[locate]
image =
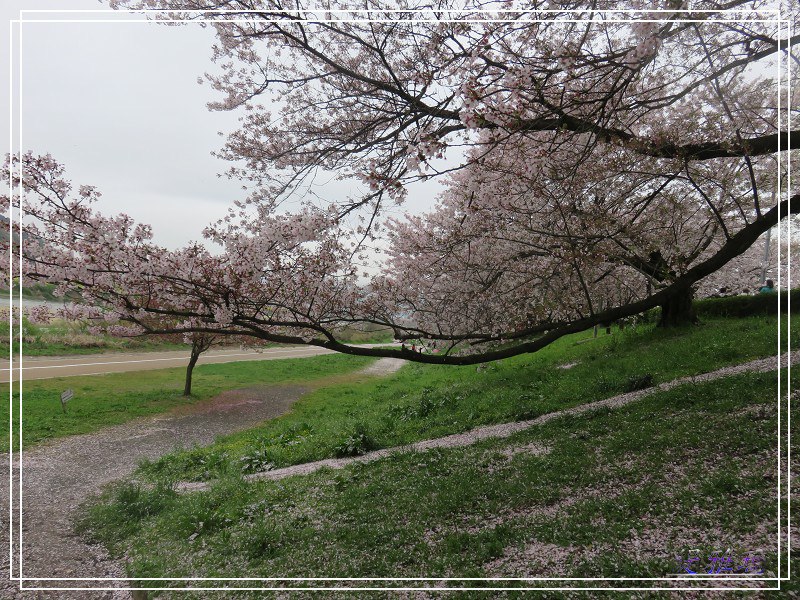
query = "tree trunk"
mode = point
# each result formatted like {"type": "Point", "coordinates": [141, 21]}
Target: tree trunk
{"type": "Point", "coordinates": [187, 388]}
{"type": "Point", "coordinates": [678, 309]}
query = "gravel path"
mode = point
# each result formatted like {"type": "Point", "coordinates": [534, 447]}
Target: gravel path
{"type": "Point", "coordinates": [384, 366]}
{"type": "Point", "coordinates": [58, 477]}
{"type": "Point", "coordinates": [504, 430]}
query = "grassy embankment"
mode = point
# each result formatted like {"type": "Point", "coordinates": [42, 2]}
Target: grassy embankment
{"type": "Point", "coordinates": [102, 400]}
{"type": "Point", "coordinates": [61, 337]}
{"type": "Point", "coordinates": [37, 291]}
{"type": "Point", "coordinates": [614, 493]}
{"type": "Point", "coordinates": [64, 338]}
{"type": "Point", "coordinates": [424, 401]}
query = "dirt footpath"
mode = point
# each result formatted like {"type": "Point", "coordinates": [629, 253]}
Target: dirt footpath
{"type": "Point", "coordinates": [57, 477]}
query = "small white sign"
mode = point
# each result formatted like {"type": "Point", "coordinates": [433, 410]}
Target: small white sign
{"type": "Point", "coordinates": [66, 396]}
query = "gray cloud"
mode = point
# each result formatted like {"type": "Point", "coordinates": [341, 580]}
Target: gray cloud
{"type": "Point", "coordinates": [119, 104]}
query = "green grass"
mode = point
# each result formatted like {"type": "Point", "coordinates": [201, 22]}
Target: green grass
{"type": "Point", "coordinates": [604, 494]}
{"type": "Point", "coordinates": [424, 401]}
{"type": "Point", "coordinates": [36, 291]}
{"type": "Point", "coordinates": [64, 338]}
{"type": "Point", "coordinates": [96, 346]}
{"type": "Point", "coordinates": [102, 400]}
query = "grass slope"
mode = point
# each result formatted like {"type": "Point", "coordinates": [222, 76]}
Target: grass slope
{"type": "Point", "coordinates": [424, 401]}
{"type": "Point", "coordinates": [605, 494]}
{"type": "Point", "coordinates": [611, 493]}
{"type": "Point", "coordinates": [65, 338]}
{"type": "Point", "coordinates": [102, 400]}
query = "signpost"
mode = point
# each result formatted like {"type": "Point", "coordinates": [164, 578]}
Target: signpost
{"type": "Point", "coordinates": [66, 397]}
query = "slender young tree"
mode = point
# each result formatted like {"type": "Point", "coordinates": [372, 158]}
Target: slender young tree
{"type": "Point", "coordinates": [200, 343]}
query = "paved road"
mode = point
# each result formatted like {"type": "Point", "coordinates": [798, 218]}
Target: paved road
{"type": "Point", "coordinates": [47, 367]}
{"type": "Point", "coordinates": [27, 302]}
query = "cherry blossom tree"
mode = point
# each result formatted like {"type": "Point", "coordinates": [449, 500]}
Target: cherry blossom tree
{"type": "Point", "coordinates": [287, 271]}
{"type": "Point", "coordinates": [551, 248]}
{"type": "Point", "coordinates": [595, 164]}
{"type": "Point", "coordinates": [394, 89]}
{"type": "Point", "coordinates": [199, 342]}
{"type": "Point", "coordinates": [378, 95]}
{"type": "Point", "coordinates": [765, 259]}
{"type": "Point", "coordinates": [202, 341]}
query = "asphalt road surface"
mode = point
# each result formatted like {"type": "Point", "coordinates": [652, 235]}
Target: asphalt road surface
{"type": "Point", "coordinates": [47, 367]}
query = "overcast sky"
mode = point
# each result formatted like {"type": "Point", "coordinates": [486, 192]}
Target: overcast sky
{"type": "Point", "coordinates": [119, 105]}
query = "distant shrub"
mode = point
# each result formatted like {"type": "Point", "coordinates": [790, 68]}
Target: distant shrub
{"type": "Point", "coordinates": [747, 306]}
{"type": "Point", "coordinates": [75, 340]}
{"type": "Point", "coordinates": [735, 306]}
